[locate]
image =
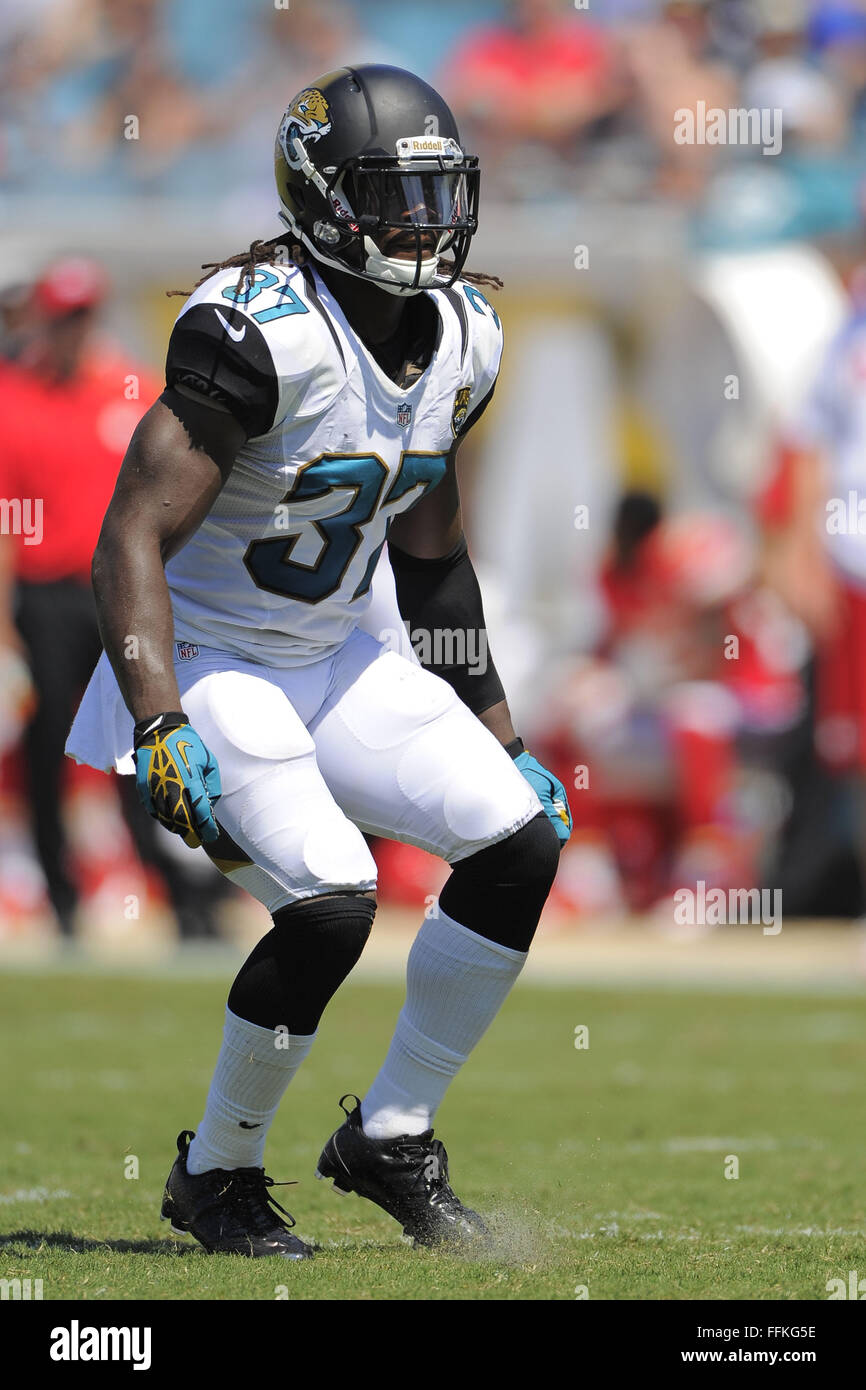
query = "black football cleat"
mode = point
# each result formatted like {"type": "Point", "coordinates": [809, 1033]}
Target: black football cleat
{"type": "Point", "coordinates": [228, 1211]}
{"type": "Point", "coordinates": [407, 1177]}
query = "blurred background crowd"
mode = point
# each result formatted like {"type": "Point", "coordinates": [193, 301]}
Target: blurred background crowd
{"type": "Point", "coordinates": [683, 396]}
{"type": "Point", "coordinates": [545, 89]}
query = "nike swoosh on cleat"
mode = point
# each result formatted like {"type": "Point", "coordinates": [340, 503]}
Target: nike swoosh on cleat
{"type": "Point", "coordinates": [236, 334]}
{"type": "Point", "coordinates": [339, 1156]}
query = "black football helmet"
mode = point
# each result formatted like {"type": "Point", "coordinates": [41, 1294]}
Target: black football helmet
{"type": "Point", "coordinates": [372, 178]}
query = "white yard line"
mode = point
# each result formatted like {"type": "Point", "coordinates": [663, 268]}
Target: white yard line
{"type": "Point", "coordinates": [32, 1194]}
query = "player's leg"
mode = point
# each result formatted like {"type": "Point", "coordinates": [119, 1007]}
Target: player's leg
{"type": "Point", "coordinates": [462, 966]}
{"type": "Point", "coordinates": [57, 622]}
{"type": "Point", "coordinates": [286, 841]}
{"type": "Point", "coordinates": [406, 759]}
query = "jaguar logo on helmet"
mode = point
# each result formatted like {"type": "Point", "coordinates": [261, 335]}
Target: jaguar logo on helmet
{"type": "Point", "coordinates": [306, 119]}
{"type": "Point", "coordinates": [461, 407]}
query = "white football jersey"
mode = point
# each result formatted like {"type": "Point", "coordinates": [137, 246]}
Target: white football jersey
{"type": "Point", "coordinates": [835, 422]}
{"type": "Point", "coordinates": [280, 569]}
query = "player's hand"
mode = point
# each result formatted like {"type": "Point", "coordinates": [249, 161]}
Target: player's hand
{"type": "Point", "coordinates": [550, 792]}
{"type": "Point", "coordinates": [177, 777]}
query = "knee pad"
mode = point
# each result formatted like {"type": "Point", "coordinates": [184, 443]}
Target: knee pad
{"type": "Point", "coordinates": [292, 973]}
{"type": "Point", "coordinates": [500, 891]}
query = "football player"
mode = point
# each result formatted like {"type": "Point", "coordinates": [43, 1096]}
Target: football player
{"type": "Point", "coordinates": [313, 408]}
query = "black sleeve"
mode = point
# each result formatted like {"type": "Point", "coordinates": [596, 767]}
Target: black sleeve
{"type": "Point", "coordinates": [204, 355]}
{"type": "Point", "coordinates": [440, 602]}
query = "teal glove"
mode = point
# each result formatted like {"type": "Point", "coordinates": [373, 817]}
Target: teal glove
{"type": "Point", "coordinates": [550, 792]}
{"type": "Point", "coordinates": [177, 777]}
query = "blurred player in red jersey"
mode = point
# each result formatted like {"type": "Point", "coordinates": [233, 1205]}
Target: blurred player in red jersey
{"type": "Point", "coordinates": [542, 78]}
{"type": "Point", "coordinates": [696, 670]}
{"type": "Point", "coordinates": [68, 406]}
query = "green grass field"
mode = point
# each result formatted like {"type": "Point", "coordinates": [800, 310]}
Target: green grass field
{"type": "Point", "coordinates": [602, 1167]}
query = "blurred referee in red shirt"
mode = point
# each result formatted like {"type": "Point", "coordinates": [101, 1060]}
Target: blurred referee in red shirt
{"type": "Point", "coordinates": [68, 407]}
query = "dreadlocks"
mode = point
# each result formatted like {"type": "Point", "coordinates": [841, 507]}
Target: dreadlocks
{"type": "Point", "coordinates": [287, 249]}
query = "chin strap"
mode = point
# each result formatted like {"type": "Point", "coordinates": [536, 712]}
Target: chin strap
{"type": "Point", "coordinates": [388, 272]}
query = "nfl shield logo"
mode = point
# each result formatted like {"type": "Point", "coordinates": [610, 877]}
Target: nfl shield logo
{"type": "Point", "coordinates": [404, 414]}
{"type": "Point", "coordinates": [186, 651]}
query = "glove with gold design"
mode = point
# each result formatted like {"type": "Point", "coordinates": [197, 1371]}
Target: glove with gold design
{"type": "Point", "coordinates": [177, 777]}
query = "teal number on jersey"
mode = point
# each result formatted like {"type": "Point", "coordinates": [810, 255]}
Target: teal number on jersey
{"type": "Point", "coordinates": [479, 302]}
{"type": "Point", "coordinates": [287, 301]}
{"type": "Point", "coordinates": [270, 562]}
{"type": "Point", "coordinates": [262, 280]}
{"type": "Point", "coordinates": [413, 470]}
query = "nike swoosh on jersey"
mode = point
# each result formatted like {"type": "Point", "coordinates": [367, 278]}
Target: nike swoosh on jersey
{"type": "Point", "coordinates": [235, 333]}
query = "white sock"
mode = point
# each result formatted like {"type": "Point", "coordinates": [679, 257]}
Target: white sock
{"type": "Point", "coordinates": [456, 983]}
{"type": "Point", "coordinates": [253, 1069]}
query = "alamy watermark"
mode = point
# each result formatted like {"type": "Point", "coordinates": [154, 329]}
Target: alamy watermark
{"type": "Point", "coordinates": [441, 646]}
{"type": "Point", "coordinates": [720, 907]}
{"type": "Point", "coordinates": [77, 1343]}
{"type": "Point", "coordinates": [853, 1288]}
{"type": "Point", "coordinates": [713, 125]}
{"type": "Point", "coordinates": [846, 516]}
{"type": "Point", "coordinates": [20, 1289]}
{"type": "Point", "coordinates": [22, 516]}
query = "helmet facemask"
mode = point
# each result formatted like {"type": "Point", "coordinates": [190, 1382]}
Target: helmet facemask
{"type": "Point", "coordinates": [388, 219]}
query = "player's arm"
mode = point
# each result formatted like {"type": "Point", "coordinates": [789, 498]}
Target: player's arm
{"type": "Point", "coordinates": [178, 460]}
{"type": "Point", "coordinates": [437, 589]}
{"type": "Point", "coordinates": [222, 389]}
{"type": "Point", "coordinates": [175, 466]}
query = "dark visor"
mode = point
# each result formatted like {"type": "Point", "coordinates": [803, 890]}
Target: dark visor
{"type": "Point", "coordinates": [439, 199]}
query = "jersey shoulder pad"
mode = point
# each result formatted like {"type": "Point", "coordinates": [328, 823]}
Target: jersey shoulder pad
{"type": "Point", "coordinates": [265, 351]}
{"type": "Point", "coordinates": [480, 351]}
{"type": "Point", "coordinates": [484, 341]}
